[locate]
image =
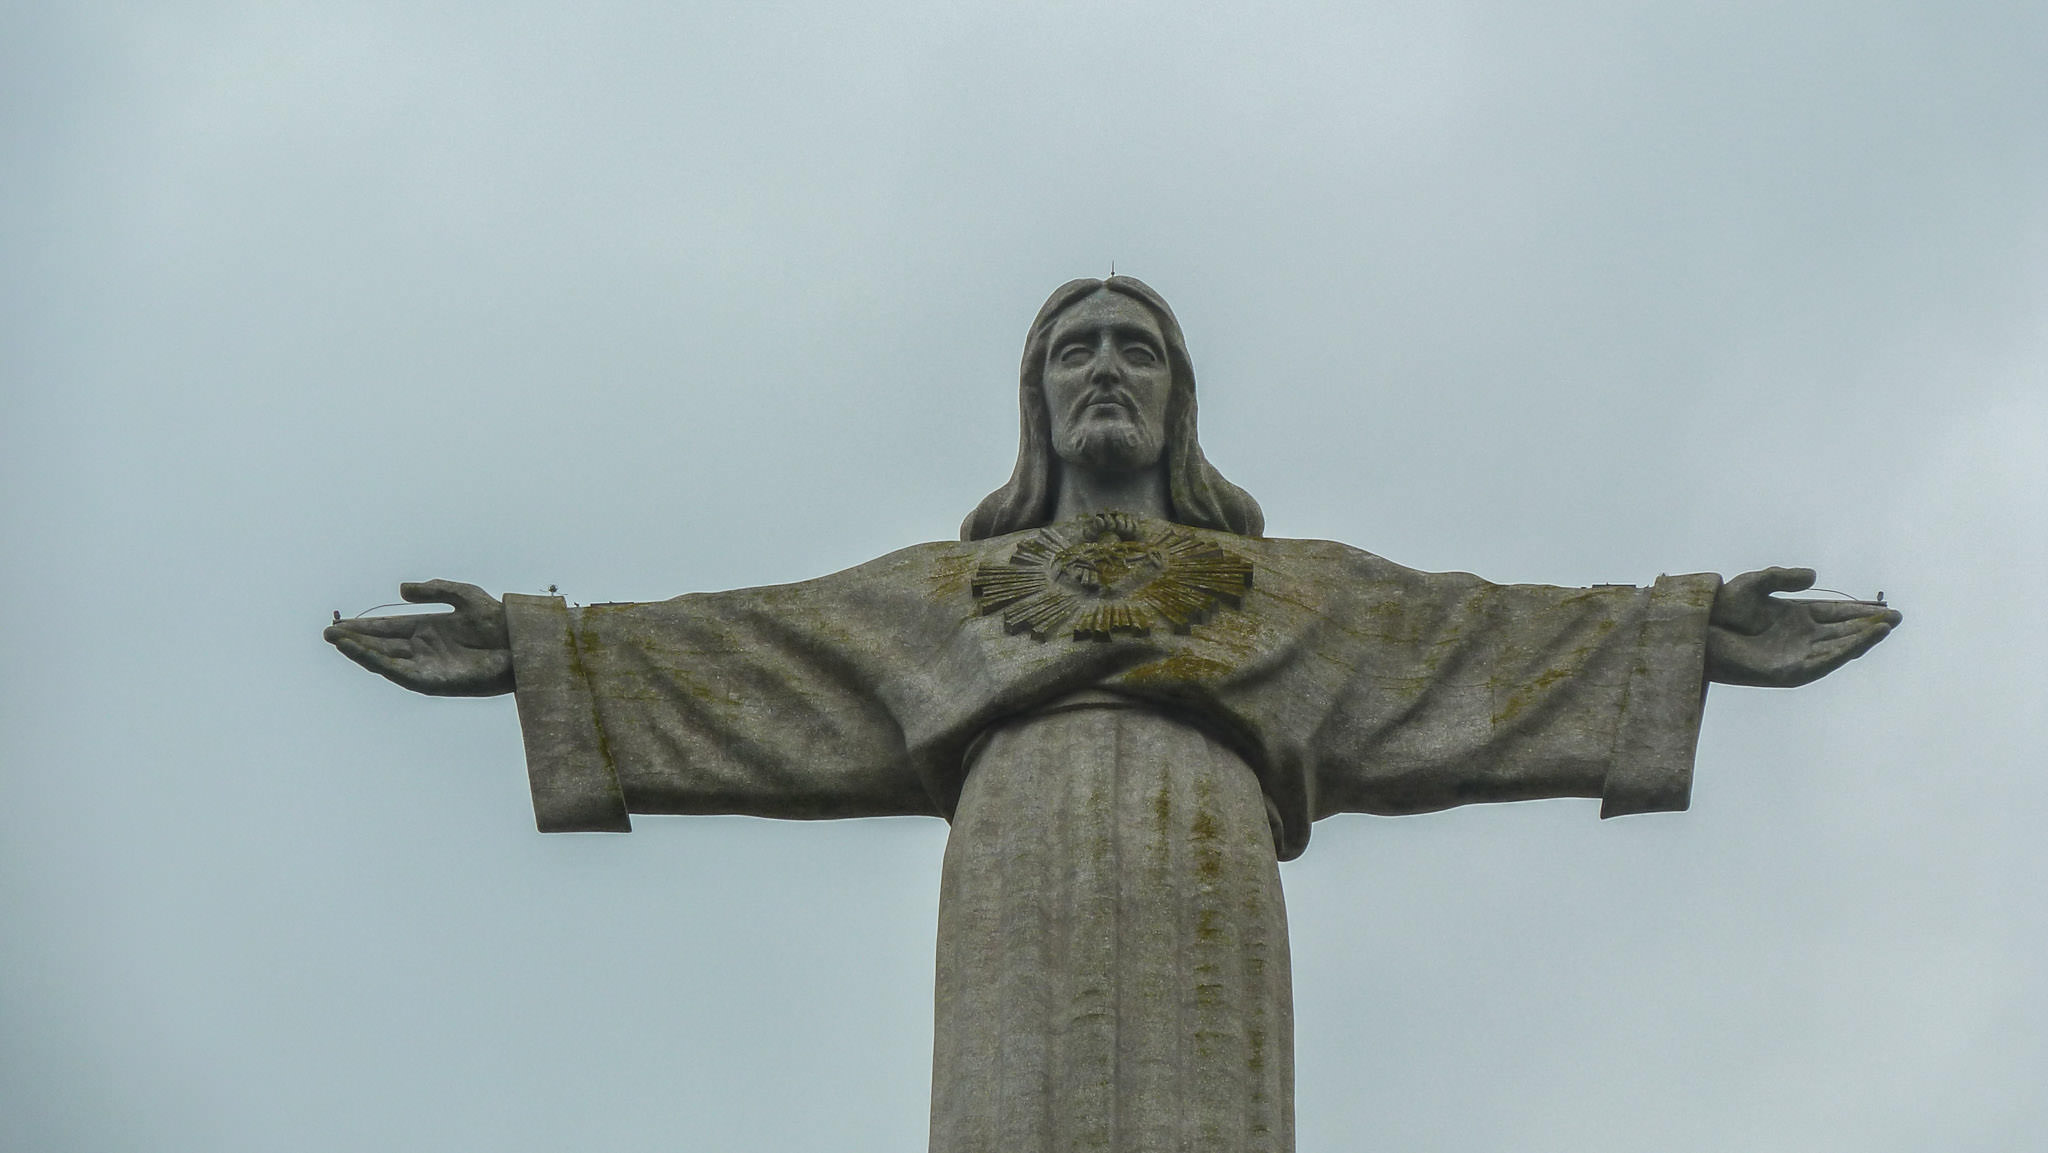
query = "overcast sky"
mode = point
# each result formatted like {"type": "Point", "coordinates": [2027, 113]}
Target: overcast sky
{"type": "Point", "coordinates": [298, 300]}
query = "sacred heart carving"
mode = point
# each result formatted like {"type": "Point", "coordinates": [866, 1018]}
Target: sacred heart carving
{"type": "Point", "coordinates": [1110, 573]}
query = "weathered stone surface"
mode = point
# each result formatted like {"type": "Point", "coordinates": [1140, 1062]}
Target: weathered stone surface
{"type": "Point", "coordinates": [1113, 965]}
{"type": "Point", "coordinates": [1112, 968]}
{"type": "Point", "coordinates": [1131, 706]}
{"type": "Point", "coordinates": [1346, 682]}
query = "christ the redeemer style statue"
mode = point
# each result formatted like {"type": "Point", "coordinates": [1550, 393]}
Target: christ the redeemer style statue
{"type": "Point", "coordinates": [1131, 706]}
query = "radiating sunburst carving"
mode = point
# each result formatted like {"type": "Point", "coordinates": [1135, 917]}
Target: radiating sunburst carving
{"type": "Point", "coordinates": [1111, 573]}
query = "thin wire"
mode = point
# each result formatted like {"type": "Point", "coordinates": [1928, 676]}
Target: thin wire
{"type": "Point", "coordinates": [1849, 596]}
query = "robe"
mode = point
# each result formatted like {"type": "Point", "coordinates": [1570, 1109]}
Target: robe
{"type": "Point", "coordinates": [1112, 956]}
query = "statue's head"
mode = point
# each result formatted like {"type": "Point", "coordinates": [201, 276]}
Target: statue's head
{"type": "Point", "coordinates": [1143, 419]}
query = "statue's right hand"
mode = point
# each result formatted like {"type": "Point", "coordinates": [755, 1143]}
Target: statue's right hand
{"type": "Point", "coordinates": [465, 653]}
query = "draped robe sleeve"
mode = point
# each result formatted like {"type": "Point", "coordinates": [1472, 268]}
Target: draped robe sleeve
{"type": "Point", "coordinates": [1346, 683]}
{"type": "Point", "coordinates": [768, 702]}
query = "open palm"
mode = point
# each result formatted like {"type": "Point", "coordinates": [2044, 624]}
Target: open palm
{"type": "Point", "coordinates": [465, 653]}
{"type": "Point", "coordinates": [1754, 638]}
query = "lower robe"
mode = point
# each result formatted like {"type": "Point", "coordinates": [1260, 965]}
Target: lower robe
{"type": "Point", "coordinates": [1112, 944]}
{"type": "Point", "coordinates": [1112, 962]}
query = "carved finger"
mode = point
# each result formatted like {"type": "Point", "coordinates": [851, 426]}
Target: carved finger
{"type": "Point", "coordinates": [387, 657]}
{"type": "Point", "coordinates": [465, 597]}
{"type": "Point", "coordinates": [1830, 655]}
{"type": "Point", "coordinates": [1837, 630]}
{"type": "Point", "coordinates": [1784, 580]}
{"type": "Point", "coordinates": [1828, 611]}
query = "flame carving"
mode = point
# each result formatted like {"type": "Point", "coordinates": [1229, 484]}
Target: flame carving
{"type": "Point", "coordinates": [1111, 573]}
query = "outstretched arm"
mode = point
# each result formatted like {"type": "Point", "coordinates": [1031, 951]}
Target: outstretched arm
{"type": "Point", "coordinates": [777, 702]}
{"type": "Point", "coordinates": [465, 653]}
{"type": "Point", "coordinates": [1754, 638]}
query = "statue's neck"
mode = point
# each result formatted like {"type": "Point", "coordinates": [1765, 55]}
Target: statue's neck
{"type": "Point", "coordinates": [1085, 490]}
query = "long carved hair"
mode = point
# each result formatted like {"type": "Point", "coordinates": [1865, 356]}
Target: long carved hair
{"type": "Point", "coordinates": [1196, 493]}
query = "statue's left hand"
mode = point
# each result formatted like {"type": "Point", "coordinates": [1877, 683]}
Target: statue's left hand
{"type": "Point", "coordinates": [1754, 638]}
{"type": "Point", "coordinates": [465, 653]}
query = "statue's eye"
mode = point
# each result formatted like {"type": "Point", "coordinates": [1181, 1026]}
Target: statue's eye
{"type": "Point", "coordinates": [1140, 354]}
{"type": "Point", "coordinates": [1076, 354]}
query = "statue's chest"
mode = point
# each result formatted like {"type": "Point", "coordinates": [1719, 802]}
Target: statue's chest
{"type": "Point", "coordinates": [1107, 575]}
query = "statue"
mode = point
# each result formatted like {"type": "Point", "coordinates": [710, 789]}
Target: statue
{"type": "Point", "coordinates": [1131, 707]}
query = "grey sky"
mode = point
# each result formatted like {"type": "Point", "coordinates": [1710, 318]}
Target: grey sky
{"type": "Point", "coordinates": [301, 300]}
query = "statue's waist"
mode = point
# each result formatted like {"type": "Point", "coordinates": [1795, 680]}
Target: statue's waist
{"type": "Point", "coordinates": [1144, 732]}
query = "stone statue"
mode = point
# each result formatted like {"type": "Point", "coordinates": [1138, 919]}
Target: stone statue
{"type": "Point", "coordinates": [1131, 706]}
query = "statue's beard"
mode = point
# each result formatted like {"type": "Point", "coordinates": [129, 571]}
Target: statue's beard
{"type": "Point", "coordinates": [1118, 447]}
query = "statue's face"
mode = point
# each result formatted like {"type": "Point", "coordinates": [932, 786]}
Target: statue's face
{"type": "Point", "coordinates": [1106, 384]}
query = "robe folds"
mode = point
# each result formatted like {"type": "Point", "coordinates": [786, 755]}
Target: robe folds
{"type": "Point", "coordinates": [1113, 969]}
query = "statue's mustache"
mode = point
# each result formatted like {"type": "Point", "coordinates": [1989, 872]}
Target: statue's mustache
{"type": "Point", "coordinates": [1116, 398]}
